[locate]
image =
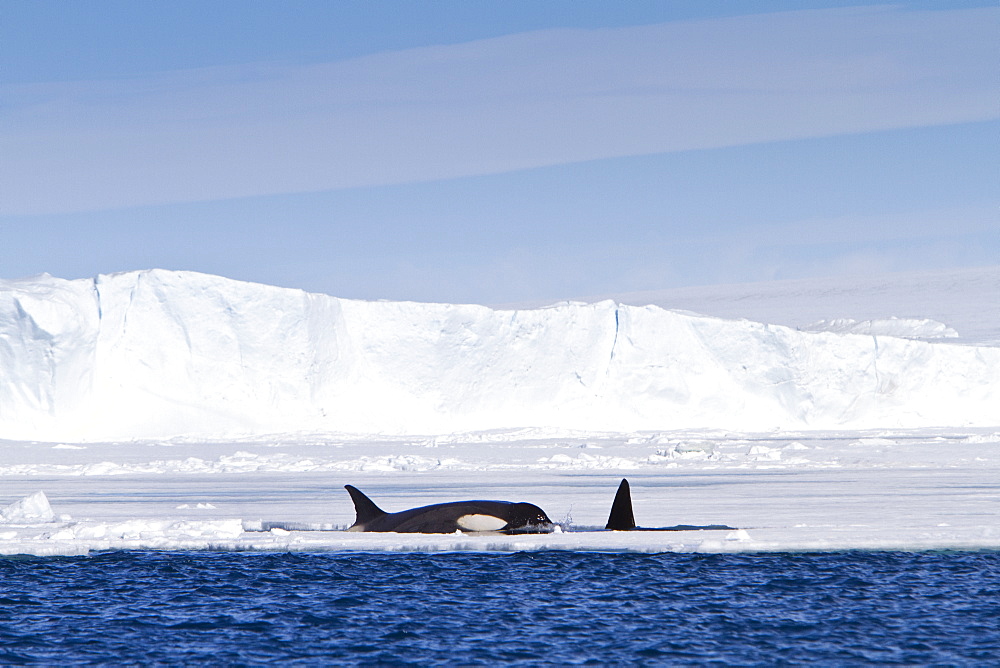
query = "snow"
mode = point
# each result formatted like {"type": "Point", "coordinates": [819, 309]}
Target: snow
{"type": "Point", "coordinates": [171, 410]}
{"type": "Point", "coordinates": [158, 354]}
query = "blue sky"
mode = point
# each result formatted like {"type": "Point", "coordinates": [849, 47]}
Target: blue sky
{"type": "Point", "coordinates": [498, 151]}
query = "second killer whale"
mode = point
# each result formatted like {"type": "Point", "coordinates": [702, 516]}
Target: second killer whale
{"type": "Point", "coordinates": [622, 518]}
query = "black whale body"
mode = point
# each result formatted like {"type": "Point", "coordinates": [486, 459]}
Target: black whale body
{"type": "Point", "coordinates": [465, 516]}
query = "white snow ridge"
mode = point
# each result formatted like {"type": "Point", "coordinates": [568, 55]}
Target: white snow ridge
{"type": "Point", "coordinates": [161, 353]}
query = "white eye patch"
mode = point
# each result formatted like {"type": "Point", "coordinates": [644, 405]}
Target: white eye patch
{"type": "Point", "coordinates": [480, 522]}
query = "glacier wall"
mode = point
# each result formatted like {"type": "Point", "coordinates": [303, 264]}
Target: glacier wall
{"type": "Point", "coordinates": [159, 353]}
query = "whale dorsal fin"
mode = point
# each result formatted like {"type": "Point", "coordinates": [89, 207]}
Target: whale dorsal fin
{"type": "Point", "coordinates": [365, 507]}
{"type": "Point", "coordinates": [621, 518]}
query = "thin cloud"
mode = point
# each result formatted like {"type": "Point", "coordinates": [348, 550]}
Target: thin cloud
{"type": "Point", "coordinates": [521, 101]}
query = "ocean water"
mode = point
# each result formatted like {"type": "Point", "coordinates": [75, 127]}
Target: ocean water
{"type": "Point", "coordinates": [225, 608]}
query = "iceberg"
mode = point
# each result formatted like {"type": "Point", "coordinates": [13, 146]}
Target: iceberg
{"type": "Point", "coordinates": [157, 354]}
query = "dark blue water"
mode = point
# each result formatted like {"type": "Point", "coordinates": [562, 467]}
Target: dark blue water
{"type": "Point", "coordinates": [529, 608]}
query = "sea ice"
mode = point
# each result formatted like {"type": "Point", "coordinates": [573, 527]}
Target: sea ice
{"type": "Point", "coordinates": [32, 509]}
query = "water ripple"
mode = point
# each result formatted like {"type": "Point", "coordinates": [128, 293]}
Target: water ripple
{"type": "Point", "coordinates": [479, 609]}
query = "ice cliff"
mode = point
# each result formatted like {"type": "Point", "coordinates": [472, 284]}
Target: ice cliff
{"type": "Point", "coordinates": [161, 353]}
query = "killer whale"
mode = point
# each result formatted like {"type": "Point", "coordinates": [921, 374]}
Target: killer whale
{"type": "Point", "coordinates": [622, 519]}
{"type": "Point", "coordinates": [464, 516]}
{"type": "Point", "coordinates": [491, 517]}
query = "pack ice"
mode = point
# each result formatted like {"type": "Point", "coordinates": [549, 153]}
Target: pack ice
{"type": "Point", "coordinates": [154, 354]}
